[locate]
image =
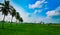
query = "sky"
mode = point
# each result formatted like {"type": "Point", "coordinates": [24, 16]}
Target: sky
{"type": "Point", "coordinates": [35, 11]}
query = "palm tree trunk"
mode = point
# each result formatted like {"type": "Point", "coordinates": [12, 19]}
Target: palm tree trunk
{"type": "Point", "coordinates": [11, 19]}
{"type": "Point", "coordinates": [3, 22]}
{"type": "Point", "coordinates": [4, 18]}
{"type": "Point", "coordinates": [11, 22]}
{"type": "Point", "coordinates": [16, 21]}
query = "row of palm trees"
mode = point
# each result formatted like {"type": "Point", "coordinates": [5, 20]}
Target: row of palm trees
{"type": "Point", "coordinates": [6, 9]}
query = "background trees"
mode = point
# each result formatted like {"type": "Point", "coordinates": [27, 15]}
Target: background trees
{"type": "Point", "coordinates": [20, 19]}
{"type": "Point", "coordinates": [17, 16]}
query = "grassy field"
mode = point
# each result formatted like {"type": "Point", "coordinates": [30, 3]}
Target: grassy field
{"type": "Point", "coordinates": [29, 29]}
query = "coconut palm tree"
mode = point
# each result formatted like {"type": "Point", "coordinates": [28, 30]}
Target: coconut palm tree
{"type": "Point", "coordinates": [5, 12]}
{"type": "Point", "coordinates": [5, 9]}
{"type": "Point", "coordinates": [17, 16]}
{"type": "Point", "coordinates": [13, 13]}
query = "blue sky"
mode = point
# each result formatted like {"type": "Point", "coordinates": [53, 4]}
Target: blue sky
{"type": "Point", "coordinates": [38, 10]}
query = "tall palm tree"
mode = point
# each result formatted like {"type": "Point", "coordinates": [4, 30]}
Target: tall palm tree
{"type": "Point", "coordinates": [13, 13]}
{"type": "Point", "coordinates": [5, 12]}
{"type": "Point", "coordinates": [5, 9]}
{"type": "Point", "coordinates": [17, 16]}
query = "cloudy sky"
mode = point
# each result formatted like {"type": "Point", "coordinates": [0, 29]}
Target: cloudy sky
{"type": "Point", "coordinates": [47, 11]}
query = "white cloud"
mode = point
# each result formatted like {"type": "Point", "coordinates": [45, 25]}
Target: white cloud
{"type": "Point", "coordinates": [43, 1]}
{"type": "Point", "coordinates": [58, 9]}
{"type": "Point", "coordinates": [37, 4]}
{"type": "Point", "coordinates": [46, 2]}
{"type": "Point", "coordinates": [37, 11]}
{"type": "Point", "coordinates": [53, 12]}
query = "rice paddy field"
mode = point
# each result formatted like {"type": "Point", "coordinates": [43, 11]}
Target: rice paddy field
{"type": "Point", "coordinates": [29, 29]}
